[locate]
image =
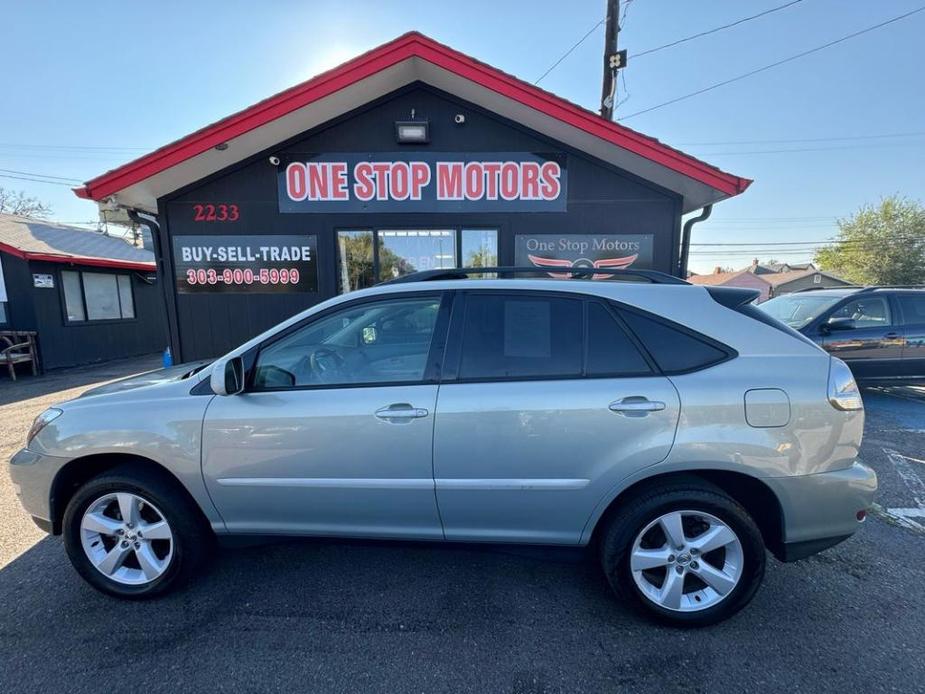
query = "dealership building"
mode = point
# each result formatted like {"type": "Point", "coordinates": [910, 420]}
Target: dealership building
{"type": "Point", "coordinates": [412, 156]}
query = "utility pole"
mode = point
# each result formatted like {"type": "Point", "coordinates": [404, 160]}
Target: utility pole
{"type": "Point", "coordinates": [614, 59]}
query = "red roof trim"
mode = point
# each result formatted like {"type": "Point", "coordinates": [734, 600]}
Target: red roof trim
{"type": "Point", "coordinates": [77, 259]}
{"type": "Point", "coordinates": [407, 46]}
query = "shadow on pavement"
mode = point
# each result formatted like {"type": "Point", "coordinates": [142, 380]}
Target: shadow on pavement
{"type": "Point", "coordinates": [334, 616]}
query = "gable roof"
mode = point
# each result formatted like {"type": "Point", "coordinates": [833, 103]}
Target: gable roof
{"type": "Point", "coordinates": [409, 58]}
{"type": "Point", "coordinates": [775, 279]}
{"type": "Point", "coordinates": [36, 239]}
{"type": "Point", "coordinates": [714, 278]}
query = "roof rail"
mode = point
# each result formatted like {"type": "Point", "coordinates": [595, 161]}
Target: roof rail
{"type": "Point", "coordinates": [872, 287]}
{"type": "Point", "coordinates": [820, 289]}
{"type": "Point", "coordinates": [650, 276]}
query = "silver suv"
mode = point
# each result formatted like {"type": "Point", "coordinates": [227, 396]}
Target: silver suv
{"type": "Point", "coordinates": [674, 428]}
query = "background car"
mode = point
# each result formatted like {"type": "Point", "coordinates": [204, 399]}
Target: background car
{"type": "Point", "coordinates": [878, 331]}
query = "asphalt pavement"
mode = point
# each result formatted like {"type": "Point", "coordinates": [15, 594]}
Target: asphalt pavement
{"type": "Point", "coordinates": [359, 616]}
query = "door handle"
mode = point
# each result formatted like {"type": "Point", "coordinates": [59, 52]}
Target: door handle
{"type": "Point", "coordinates": [400, 411]}
{"type": "Point", "coordinates": [636, 406]}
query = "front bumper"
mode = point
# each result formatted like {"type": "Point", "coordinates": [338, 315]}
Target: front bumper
{"type": "Point", "coordinates": [821, 510]}
{"type": "Point", "coordinates": [33, 475]}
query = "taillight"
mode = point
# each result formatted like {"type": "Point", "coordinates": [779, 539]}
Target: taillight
{"type": "Point", "coordinates": [843, 391]}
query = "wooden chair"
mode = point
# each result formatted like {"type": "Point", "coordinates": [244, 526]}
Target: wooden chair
{"type": "Point", "coordinates": [19, 347]}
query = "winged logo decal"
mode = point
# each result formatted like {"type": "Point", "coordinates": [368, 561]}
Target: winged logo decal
{"type": "Point", "coordinates": [603, 263]}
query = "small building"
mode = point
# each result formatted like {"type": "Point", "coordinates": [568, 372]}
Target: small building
{"type": "Point", "coordinates": [412, 156]}
{"type": "Point", "coordinates": [88, 296]}
{"type": "Point", "coordinates": [772, 279]}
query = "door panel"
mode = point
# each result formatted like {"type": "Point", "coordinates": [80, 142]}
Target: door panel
{"type": "Point", "coordinates": [913, 309]}
{"type": "Point", "coordinates": [527, 461]}
{"type": "Point", "coordinates": [321, 462]}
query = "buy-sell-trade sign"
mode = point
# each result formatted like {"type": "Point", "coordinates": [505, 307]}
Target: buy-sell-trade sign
{"type": "Point", "coordinates": [245, 264]}
{"type": "Point", "coordinates": [423, 182]}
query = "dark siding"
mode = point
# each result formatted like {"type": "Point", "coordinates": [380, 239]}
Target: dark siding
{"type": "Point", "coordinates": [19, 307]}
{"type": "Point", "coordinates": [62, 344]}
{"type": "Point", "coordinates": [601, 200]}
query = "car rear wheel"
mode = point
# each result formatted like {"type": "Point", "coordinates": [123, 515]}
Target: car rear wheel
{"type": "Point", "coordinates": [685, 553]}
{"type": "Point", "coordinates": [132, 533]}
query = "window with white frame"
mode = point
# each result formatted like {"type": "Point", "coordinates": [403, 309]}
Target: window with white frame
{"type": "Point", "coordinates": [96, 296]}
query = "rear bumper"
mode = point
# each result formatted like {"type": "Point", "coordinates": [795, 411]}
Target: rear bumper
{"type": "Point", "coordinates": [821, 510]}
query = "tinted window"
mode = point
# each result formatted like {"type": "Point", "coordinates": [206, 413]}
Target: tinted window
{"type": "Point", "coordinates": [379, 342]}
{"type": "Point", "coordinates": [517, 337]}
{"type": "Point", "coordinates": [870, 312]}
{"type": "Point", "coordinates": [913, 306]}
{"type": "Point", "coordinates": [673, 350]}
{"type": "Point", "coordinates": [610, 350]}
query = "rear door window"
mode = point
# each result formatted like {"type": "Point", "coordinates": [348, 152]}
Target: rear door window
{"type": "Point", "coordinates": [611, 352]}
{"type": "Point", "coordinates": [675, 349]}
{"type": "Point", "coordinates": [913, 308]}
{"type": "Point", "coordinates": [530, 336]}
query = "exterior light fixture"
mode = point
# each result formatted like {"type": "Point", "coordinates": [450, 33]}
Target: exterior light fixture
{"type": "Point", "coordinates": [412, 132]}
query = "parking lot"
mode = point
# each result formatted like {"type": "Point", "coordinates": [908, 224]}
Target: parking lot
{"type": "Point", "coordinates": [362, 616]}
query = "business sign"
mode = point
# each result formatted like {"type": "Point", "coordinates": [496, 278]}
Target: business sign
{"type": "Point", "coordinates": [245, 264]}
{"type": "Point", "coordinates": [423, 182]}
{"type": "Point", "coordinates": [559, 252]}
{"type": "Point", "coordinates": [43, 281]}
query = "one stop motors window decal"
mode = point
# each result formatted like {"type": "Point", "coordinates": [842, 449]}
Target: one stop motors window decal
{"type": "Point", "coordinates": [245, 264]}
{"type": "Point", "coordinates": [423, 182]}
{"type": "Point", "coordinates": [556, 253]}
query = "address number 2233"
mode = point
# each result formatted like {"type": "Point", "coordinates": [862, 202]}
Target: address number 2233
{"type": "Point", "coordinates": [216, 213]}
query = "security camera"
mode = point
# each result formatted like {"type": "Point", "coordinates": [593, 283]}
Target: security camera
{"type": "Point", "coordinates": [460, 119]}
{"type": "Point", "coordinates": [274, 161]}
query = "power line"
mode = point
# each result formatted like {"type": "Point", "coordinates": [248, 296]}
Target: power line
{"type": "Point", "coordinates": [569, 51]}
{"type": "Point", "coordinates": [80, 147]}
{"type": "Point", "coordinates": [714, 30]}
{"type": "Point", "coordinates": [802, 140]}
{"type": "Point", "coordinates": [775, 64]}
{"type": "Point", "coordinates": [32, 173]}
{"type": "Point", "coordinates": [815, 149]}
{"type": "Point", "coordinates": [37, 180]}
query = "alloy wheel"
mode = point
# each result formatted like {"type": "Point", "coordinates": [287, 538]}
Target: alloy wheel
{"type": "Point", "coordinates": [686, 561]}
{"type": "Point", "coordinates": [127, 538]}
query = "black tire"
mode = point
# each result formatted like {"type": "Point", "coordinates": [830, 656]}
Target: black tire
{"type": "Point", "coordinates": [638, 512]}
{"type": "Point", "coordinates": [193, 539]}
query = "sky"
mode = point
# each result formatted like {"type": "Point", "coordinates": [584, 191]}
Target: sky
{"type": "Point", "coordinates": [89, 86]}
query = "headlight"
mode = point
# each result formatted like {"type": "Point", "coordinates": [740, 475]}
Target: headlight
{"type": "Point", "coordinates": [843, 391]}
{"type": "Point", "coordinates": [48, 416]}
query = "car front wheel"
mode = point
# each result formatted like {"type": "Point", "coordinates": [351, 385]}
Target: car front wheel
{"type": "Point", "coordinates": [686, 554]}
{"type": "Point", "coordinates": [132, 533]}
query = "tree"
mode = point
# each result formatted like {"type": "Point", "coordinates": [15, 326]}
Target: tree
{"type": "Point", "coordinates": [883, 244]}
{"type": "Point", "coordinates": [17, 202]}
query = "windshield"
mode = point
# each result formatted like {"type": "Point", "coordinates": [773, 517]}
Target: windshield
{"type": "Point", "coordinates": [798, 310]}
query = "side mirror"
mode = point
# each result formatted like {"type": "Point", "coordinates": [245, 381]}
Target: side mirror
{"type": "Point", "coordinates": [228, 376]}
{"type": "Point", "coordinates": [839, 324]}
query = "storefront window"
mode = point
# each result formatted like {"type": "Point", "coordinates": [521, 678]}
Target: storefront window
{"type": "Point", "coordinates": [403, 251]}
{"type": "Point", "coordinates": [354, 260]}
{"type": "Point", "coordinates": [97, 296]}
{"type": "Point", "coordinates": [2, 312]}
